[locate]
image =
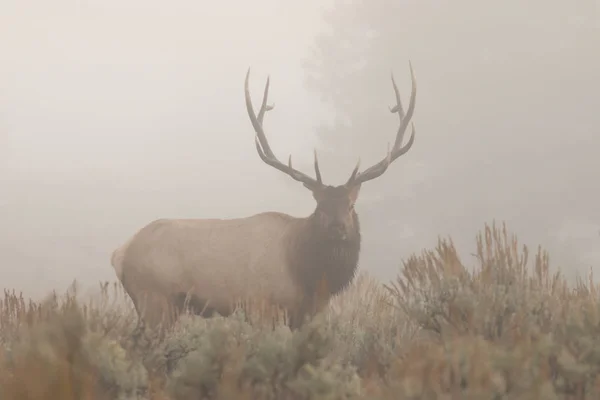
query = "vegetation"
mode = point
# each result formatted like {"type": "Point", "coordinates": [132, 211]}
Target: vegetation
{"type": "Point", "coordinates": [507, 328]}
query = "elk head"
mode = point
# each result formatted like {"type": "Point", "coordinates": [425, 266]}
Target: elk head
{"type": "Point", "coordinates": [334, 213]}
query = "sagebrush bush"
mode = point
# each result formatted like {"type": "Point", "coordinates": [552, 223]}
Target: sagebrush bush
{"type": "Point", "coordinates": [506, 327]}
{"type": "Point", "coordinates": [61, 356]}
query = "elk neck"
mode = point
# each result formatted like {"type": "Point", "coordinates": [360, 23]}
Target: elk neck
{"type": "Point", "coordinates": [313, 257]}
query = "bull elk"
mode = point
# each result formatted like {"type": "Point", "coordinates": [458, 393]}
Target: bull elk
{"type": "Point", "coordinates": [297, 264]}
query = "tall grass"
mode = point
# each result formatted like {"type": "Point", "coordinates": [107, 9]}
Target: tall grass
{"type": "Point", "coordinates": [506, 327]}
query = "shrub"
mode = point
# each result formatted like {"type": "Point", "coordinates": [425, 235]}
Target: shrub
{"type": "Point", "coordinates": [506, 327]}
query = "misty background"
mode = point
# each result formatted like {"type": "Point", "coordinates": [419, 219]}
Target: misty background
{"type": "Point", "coordinates": [116, 113]}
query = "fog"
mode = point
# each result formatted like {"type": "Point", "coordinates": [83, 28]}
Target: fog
{"type": "Point", "coordinates": [115, 113]}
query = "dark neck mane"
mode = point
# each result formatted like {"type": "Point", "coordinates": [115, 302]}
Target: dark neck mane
{"type": "Point", "coordinates": [313, 258]}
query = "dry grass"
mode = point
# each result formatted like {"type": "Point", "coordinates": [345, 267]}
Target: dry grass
{"type": "Point", "coordinates": [507, 327]}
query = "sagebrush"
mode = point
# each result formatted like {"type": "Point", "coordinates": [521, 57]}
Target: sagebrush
{"type": "Point", "coordinates": [505, 327]}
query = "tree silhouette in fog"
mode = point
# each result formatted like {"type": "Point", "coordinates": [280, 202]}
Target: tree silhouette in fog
{"type": "Point", "coordinates": [505, 118]}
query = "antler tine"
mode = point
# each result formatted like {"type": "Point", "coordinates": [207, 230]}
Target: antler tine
{"type": "Point", "coordinates": [264, 107]}
{"type": "Point", "coordinates": [354, 173]}
{"type": "Point", "coordinates": [317, 170]}
{"type": "Point", "coordinates": [404, 118]}
{"type": "Point", "coordinates": [398, 107]}
{"type": "Point", "coordinates": [257, 122]}
{"type": "Point", "coordinates": [397, 150]}
{"type": "Point", "coordinates": [262, 144]}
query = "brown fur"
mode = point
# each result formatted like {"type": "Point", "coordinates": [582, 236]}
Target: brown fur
{"type": "Point", "coordinates": [316, 262]}
{"type": "Point", "coordinates": [321, 267]}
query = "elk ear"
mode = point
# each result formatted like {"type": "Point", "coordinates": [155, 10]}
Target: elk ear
{"type": "Point", "coordinates": [353, 193]}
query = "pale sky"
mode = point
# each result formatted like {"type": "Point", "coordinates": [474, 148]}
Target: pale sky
{"type": "Point", "coordinates": [114, 113]}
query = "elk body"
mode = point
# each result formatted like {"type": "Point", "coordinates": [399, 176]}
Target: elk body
{"type": "Point", "coordinates": [294, 263]}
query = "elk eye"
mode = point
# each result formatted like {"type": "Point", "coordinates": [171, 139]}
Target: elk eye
{"type": "Point", "coordinates": [351, 207]}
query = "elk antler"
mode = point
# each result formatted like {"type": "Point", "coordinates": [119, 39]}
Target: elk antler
{"type": "Point", "coordinates": [264, 149]}
{"type": "Point", "coordinates": [397, 150]}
